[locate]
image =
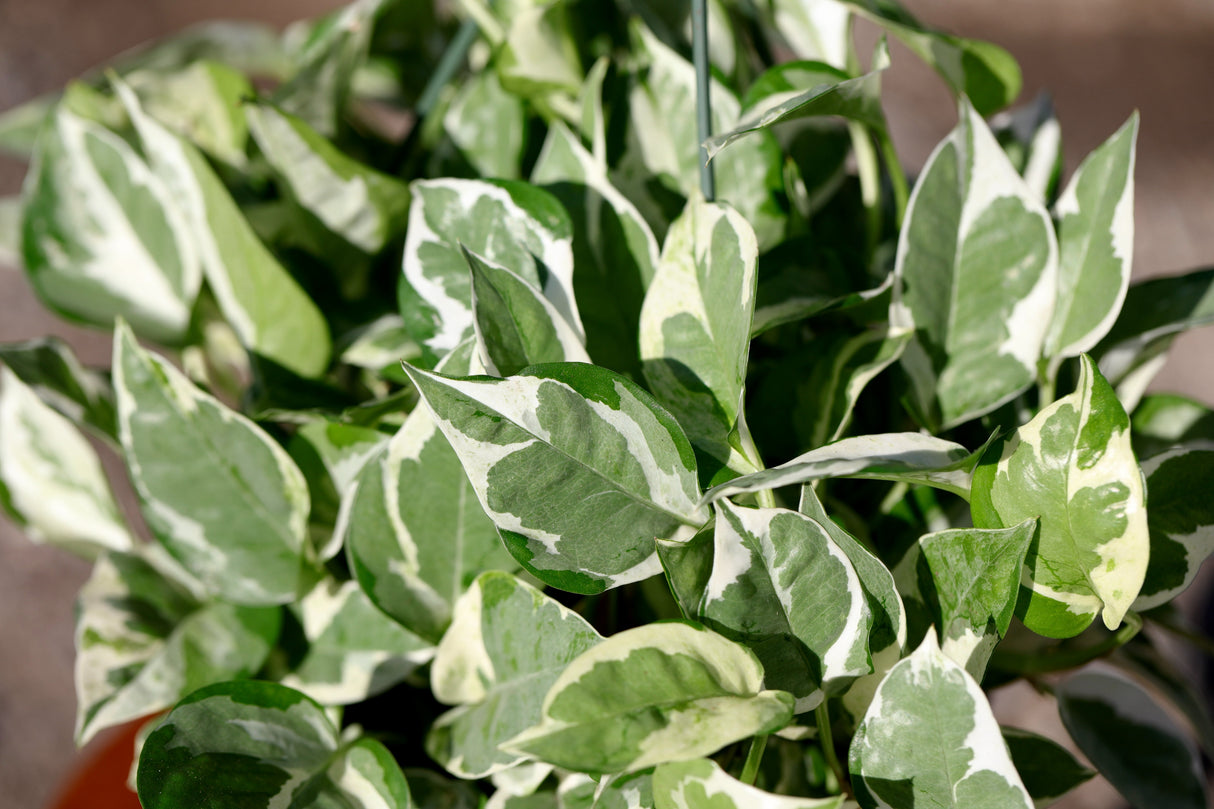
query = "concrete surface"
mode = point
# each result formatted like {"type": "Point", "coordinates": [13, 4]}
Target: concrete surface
{"type": "Point", "coordinates": [1100, 58]}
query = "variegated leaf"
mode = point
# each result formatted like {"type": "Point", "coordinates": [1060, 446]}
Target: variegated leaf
{"type": "Point", "coordinates": [325, 66]}
{"type": "Point", "coordinates": [1132, 740]}
{"type": "Point", "coordinates": [695, 329]}
{"type": "Point", "coordinates": [910, 457]}
{"type": "Point", "coordinates": [269, 311]}
{"type": "Point", "coordinates": [627, 791]}
{"type": "Point", "coordinates": [538, 57]}
{"type": "Point", "coordinates": [929, 738]}
{"type": "Point", "coordinates": [980, 71]}
{"type": "Point", "coordinates": [615, 253]}
{"type": "Point", "coordinates": [361, 205]}
{"type": "Point", "coordinates": [1154, 313]}
{"type": "Point", "coordinates": [263, 745]}
{"type": "Point", "coordinates": [503, 799]}
{"type": "Point", "coordinates": [778, 583]}
{"type": "Point", "coordinates": [54, 374]}
{"type": "Point", "coordinates": [416, 535]}
{"type": "Point", "coordinates": [832, 92]}
{"type": "Point", "coordinates": [143, 642]}
{"type": "Point", "coordinates": [664, 145]}
{"type": "Point", "coordinates": [354, 650]}
{"type": "Point", "coordinates": [203, 102]}
{"type": "Point", "coordinates": [12, 211]}
{"type": "Point", "coordinates": [887, 636]}
{"type": "Point", "coordinates": [976, 277]}
{"type": "Point", "coordinates": [579, 468]}
{"type": "Point", "coordinates": [512, 224]}
{"type": "Point", "coordinates": [848, 362]}
{"type": "Point", "coordinates": [507, 645]}
{"type": "Point", "coordinates": [51, 480]}
{"type": "Point", "coordinates": [656, 693]}
{"type": "Point", "coordinates": [1096, 246]}
{"type": "Point", "coordinates": [815, 29]}
{"type": "Point", "coordinates": [702, 783]}
{"type": "Point", "coordinates": [102, 235]}
{"type": "Point", "coordinates": [789, 291]}
{"type": "Point", "coordinates": [1180, 521]}
{"type": "Point", "coordinates": [1048, 769]}
{"type": "Point", "coordinates": [488, 125]}
{"type": "Point", "coordinates": [1160, 422]}
{"type": "Point", "coordinates": [976, 578]}
{"type": "Point", "coordinates": [219, 493]}
{"type": "Point", "coordinates": [515, 324]}
{"type": "Point", "coordinates": [1072, 467]}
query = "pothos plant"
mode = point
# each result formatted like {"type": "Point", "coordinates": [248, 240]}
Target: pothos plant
{"type": "Point", "coordinates": [702, 484]}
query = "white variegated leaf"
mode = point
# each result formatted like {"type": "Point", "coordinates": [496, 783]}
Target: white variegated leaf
{"type": "Point", "coordinates": [506, 646]}
{"type": "Point", "coordinates": [695, 326]}
{"type": "Point", "coordinates": [611, 710]}
{"type": "Point", "coordinates": [929, 738]}
{"type": "Point", "coordinates": [51, 479]}
{"type": "Point", "coordinates": [220, 494]}
{"type": "Point", "coordinates": [702, 783]}
{"type": "Point", "coordinates": [975, 277]}
{"type": "Point", "coordinates": [815, 29]}
{"type": "Point", "coordinates": [1180, 520]}
{"type": "Point", "coordinates": [266, 307]}
{"type": "Point", "coordinates": [512, 224]}
{"type": "Point", "coordinates": [911, 457]}
{"type": "Point", "coordinates": [578, 467]}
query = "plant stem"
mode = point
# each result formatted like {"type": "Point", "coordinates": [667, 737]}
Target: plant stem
{"type": "Point", "coordinates": [1047, 661]}
{"type": "Point", "coordinates": [827, 740]}
{"type": "Point", "coordinates": [447, 66]}
{"type": "Point", "coordinates": [699, 52]}
{"type": "Point", "coordinates": [897, 177]}
{"type": "Point", "coordinates": [750, 770]}
{"type": "Point", "coordinates": [870, 182]}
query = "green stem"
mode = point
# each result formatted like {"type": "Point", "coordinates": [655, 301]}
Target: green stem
{"type": "Point", "coordinates": [1062, 659]}
{"type": "Point", "coordinates": [750, 770]}
{"type": "Point", "coordinates": [699, 52]}
{"type": "Point", "coordinates": [897, 177]}
{"type": "Point", "coordinates": [870, 181]}
{"type": "Point", "coordinates": [451, 61]}
{"type": "Point", "coordinates": [827, 740]}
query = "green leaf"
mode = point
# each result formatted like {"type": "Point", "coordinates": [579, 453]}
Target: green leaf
{"type": "Point", "coordinates": [780, 585]}
{"type": "Point", "coordinates": [254, 744]}
{"type": "Point", "coordinates": [507, 645]}
{"type": "Point", "coordinates": [515, 325]}
{"type": "Point", "coordinates": [1049, 770]}
{"type": "Point", "coordinates": [1095, 245]}
{"type": "Point", "coordinates": [615, 253]}
{"type": "Point", "coordinates": [1154, 313]}
{"type": "Point", "coordinates": [695, 328]}
{"type": "Point", "coordinates": [703, 783]}
{"type": "Point", "coordinates": [1131, 739]}
{"type": "Point", "coordinates": [981, 71]}
{"type": "Point", "coordinates": [202, 103]}
{"type": "Point", "coordinates": [12, 211]}
{"type": "Point", "coordinates": [51, 480]}
{"type": "Point", "coordinates": [929, 738]}
{"type": "Point", "coordinates": [512, 224]}
{"type": "Point", "coordinates": [1162, 421]}
{"type": "Point", "coordinates": [656, 693]}
{"type": "Point", "coordinates": [21, 125]}
{"type": "Point", "coordinates": [265, 306]}
{"type": "Point", "coordinates": [578, 467]}
{"type": "Point", "coordinates": [144, 641]}
{"type": "Point", "coordinates": [324, 66]}
{"type": "Point", "coordinates": [354, 650]}
{"type": "Point", "coordinates": [848, 362]}
{"type": "Point", "coordinates": [221, 495]}
{"type": "Point", "coordinates": [910, 457]}
{"type": "Point", "coordinates": [50, 369]}
{"type": "Point", "coordinates": [361, 205]}
{"type": "Point", "coordinates": [814, 29]}
{"type": "Point", "coordinates": [790, 291]}
{"type": "Point", "coordinates": [1072, 468]}
{"type": "Point", "coordinates": [976, 278]}
{"type": "Point", "coordinates": [887, 637]}
{"type": "Point", "coordinates": [663, 145]}
{"type": "Point", "coordinates": [415, 534]}
{"type": "Point", "coordinates": [103, 236]}
{"type": "Point", "coordinates": [538, 56]}
{"type": "Point", "coordinates": [798, 90]}
{"type": "Point", "coordinates": [976, 577]}
{"type": "Point", "coordinates": [1180, 521]}
{"type": "Point", "coordinates": [488, 125]}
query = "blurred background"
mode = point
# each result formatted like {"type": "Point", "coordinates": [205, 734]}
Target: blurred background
{"type": "Point", "coordinates": [1100, 60]}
